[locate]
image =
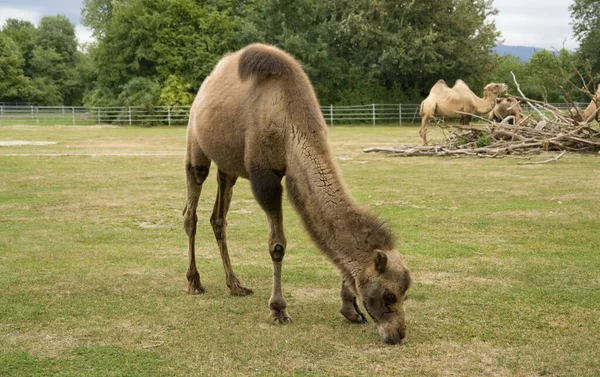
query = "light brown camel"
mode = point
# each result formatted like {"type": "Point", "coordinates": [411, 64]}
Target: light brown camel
{"type": "Point", "coordinates": [257, 117]}
{"type": "Point", "coordinates": [506, 108]}
{"type": "Point", "coordinates": [591, 112]}
{"type": "Point", "coordinates": [457, 102]}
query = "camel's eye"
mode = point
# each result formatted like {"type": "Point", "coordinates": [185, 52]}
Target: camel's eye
{"type": "Point", "coordinates": [389, 298]}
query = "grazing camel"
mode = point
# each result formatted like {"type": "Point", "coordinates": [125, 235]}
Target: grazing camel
{"type": "Point", "coordinates": [256, 116]}
{"type": "Point", "coordinates": [506, 110]}
{"type": "Point", "coordinates": [457, 102]}
{"type": "Point", "coordinates": [592, 111]}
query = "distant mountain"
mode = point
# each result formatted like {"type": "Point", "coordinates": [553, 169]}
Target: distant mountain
{"type": "Point", "coordinates": [522, 52]}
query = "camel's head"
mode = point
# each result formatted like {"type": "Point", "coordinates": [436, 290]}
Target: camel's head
{"type": "Point", "coordinates": [505, 102]}
{"type": "Point", "coordinates": [508, 105]}
{"type": "Point", "coordinates": [495, 89]}
{"type": "Point", "coordinates": [382, 291]}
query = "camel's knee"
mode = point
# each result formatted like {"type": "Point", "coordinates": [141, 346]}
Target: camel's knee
{"type": "Point", "coordinates": [277, 253]}
{"type": "Point", "coordinates": [197, 172]}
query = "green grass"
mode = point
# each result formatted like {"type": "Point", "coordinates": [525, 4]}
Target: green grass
{"type": "Point", "coordinates": [93, 257]}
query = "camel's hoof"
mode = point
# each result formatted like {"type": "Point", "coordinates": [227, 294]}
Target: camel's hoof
{"type": "Point", "coordinates": [196, 289]}
{"type": "Point", "coordinates": [280, 317]}
{"type": "Point", "coordinates": [356, 317]}
{"type": "Point", "coordinates": [360, 318]}
{"type": "Point", "coordinates": [241, 291]}
{"type": "Point", "coordinates": [282, 321]}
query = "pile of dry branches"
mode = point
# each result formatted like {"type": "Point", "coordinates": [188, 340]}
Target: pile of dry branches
{"type": "Point", "coordinates": [546, 128]}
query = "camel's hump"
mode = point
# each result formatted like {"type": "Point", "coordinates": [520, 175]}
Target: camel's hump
{"type": "Point", "coordinates": [264, 61]}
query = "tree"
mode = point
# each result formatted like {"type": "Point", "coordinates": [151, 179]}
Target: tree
{"type": "Point", "coordinates": [550, 76]}
{"type": "Point", "coordinates": [140, 91]}
{"type": "Point", "coordinates": [24, 34]}
{"type": "Point", "coordinates": [504, 66]}
{"type": "Point", "coordinates": [586, 28]}
{"type": "Point", "coordinates": [97, 15]}
{"type": "Point", "coordinates": [585, 15]}
{"type": "Point", "coordinates": [156, 39]}
{"type": "Point", "coordinates": [58, 33]}
{"type": "Point", "coordinates": [383, 50]}
{"type": "Point", "coordinates": [14, 85]}
{"type": "Point", "coordinates": [175, 92]}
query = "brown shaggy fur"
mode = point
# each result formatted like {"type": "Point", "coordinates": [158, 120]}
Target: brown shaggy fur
{"type": "Point", "coordinates": [256, 116]}
{"type": "Point", "coordinates": [504, 108]}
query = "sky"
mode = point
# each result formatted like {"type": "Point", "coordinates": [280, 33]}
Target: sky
{"type": "Point", "coordinates": [533, 23]}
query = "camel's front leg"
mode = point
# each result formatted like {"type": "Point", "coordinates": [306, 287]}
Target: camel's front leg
{"type": "Point", "coordinates": [266, 186]}
{"type": "Point", "coordinates": [349, 308]}
{"type": "Point", "coordinates": [218, 220]}
{"type": "Point", "coordinates": [196, 167]}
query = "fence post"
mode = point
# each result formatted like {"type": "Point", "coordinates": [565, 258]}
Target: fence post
{"type": "Point", "coordinates": [373, 114]}
{"type": "Point", "coordinates": [130, 115]}
{"type": "Point", "coordinates": [400, 113]}
{"type": "Point", "coordinates": [32, 113]}
{"type": "Point", "coordinates": [37, 113]}
{"type": "Point", "coordinates": [169, 115]}
{"type": "Point", "coordinates": [1, 113]}
{"type": "Point", "coordinates": [331, 114]}
{"type": "Point", "coordinates": [73, 113]}
{"type": "Point", "coordinates": [98, 116]}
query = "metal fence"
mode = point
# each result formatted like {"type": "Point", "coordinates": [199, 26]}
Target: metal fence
{"type": "Point", "coordinates": [78, 115]}
{"type": "Point", "coordinates": [178, 115]}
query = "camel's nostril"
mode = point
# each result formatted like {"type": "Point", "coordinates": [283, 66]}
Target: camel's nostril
{"type": "Point", "coordinates": [395, 337]}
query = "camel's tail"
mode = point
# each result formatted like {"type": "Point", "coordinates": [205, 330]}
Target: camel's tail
{"type": "Point", "coordinates": [264, 61]}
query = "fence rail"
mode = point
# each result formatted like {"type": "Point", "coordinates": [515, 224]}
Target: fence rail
{"type": "Point", "coordinates": [178, 115]}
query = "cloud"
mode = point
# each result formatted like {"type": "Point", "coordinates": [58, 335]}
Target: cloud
{"type": "Point", "coordinates": [33, 16]}
{"type": "Point", "coordinates": [531, 23]}
{"type": "Point", "coordinates": [83, 34]}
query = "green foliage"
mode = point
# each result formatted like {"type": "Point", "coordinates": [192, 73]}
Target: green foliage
{"type": "Point", "coordinates": [156, 39]}
{"type": "Point", "coordinates": [96, 15]}
{"type": "Point", "coordinates": [140, 91]}
{"type": "Point", "coordinates": [547, 76]}
{"type": "Point", "coordinates": [175, 92]}
{"type": "Point", "coordinates": [99, 97]}
{"type": "Point", "coordinates": [505, 65]}
{"type": "Point", "coordinates": [362, 52]}
{"type": "Point", "coordinates": [49, 61]}
{"type": "Point", "coordinates": [586, 28]}
{"type": "Point", "coordinates": [13, 82]}
{"type": "Point", "coordinates": [354, 51]}
{"type": "Point", "coordinates": [58, 33]}
{"type": "Point", "coordinates": [483, 141]}
{"type": "Point", "coordinates": [24, 34]}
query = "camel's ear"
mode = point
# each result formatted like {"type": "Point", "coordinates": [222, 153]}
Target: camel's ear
{"type": "Point", "coordinates": [498, 100]}
{"type": "Point", "coordinates": [380, 261]}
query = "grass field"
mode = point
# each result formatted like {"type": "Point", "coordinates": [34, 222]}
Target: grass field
{"type": "Point", "coordinates": [504, 257]}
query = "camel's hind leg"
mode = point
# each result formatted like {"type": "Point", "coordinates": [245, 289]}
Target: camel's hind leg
{"type": "Point", "coordinates": [197, 166]}
{"type": "Point", "coordinates": [266, 186]}
{"type": "Point", "coordinates": [423, 129]}
{"type": "Point", "coordinates": [218, 220]}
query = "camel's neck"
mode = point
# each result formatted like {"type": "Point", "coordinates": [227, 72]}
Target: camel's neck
{"type": "Point", "coordinates": [344, 232]}
{"type": "Point", "coordinates": [485, 104]}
